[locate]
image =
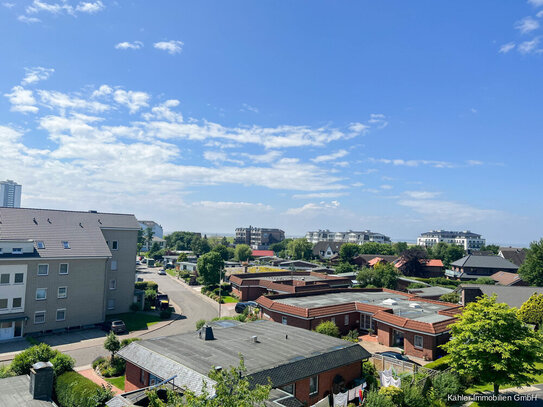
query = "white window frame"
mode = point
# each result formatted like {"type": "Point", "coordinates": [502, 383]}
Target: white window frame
{"type": "Point", "coordinates": [41, 299]}
{"type": "Point", "coordinates": [421, 346]}
{"type": "Point", "coordinates": [111, 300]}
{"type": "Point", "coordinates": [7, 303]}
{"type": "Point", "coordinates": [56, 314]}
{"type": "Point", "coordinates": [316, 387]}
{"type": "Point", "coordinates": [13, 301]}
{"type": "Point", "coordinates": [60, 269]}
{"type": "Point", "coordinates": [114, 245]}
{"type": "Point", "coordinates": [17, 250]}
{"type": "Point", "coordinates": [284, 320]}
{"type": "Point", "coordinates": [114, 265]}
{"type": "Point", "coordinates": [114, 285]}
{"type": "Point", "coordinates": [15, 282]}
{"type": "Point", "coordinates": [65, 292]}
{"type": "Point", "coordinates": [46, 265]}
{"type": "Point", "coordinates": [9, 278]}
{"type": "Point", "coordinates": [36, 314]}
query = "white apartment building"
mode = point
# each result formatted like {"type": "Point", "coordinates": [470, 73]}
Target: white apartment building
{"type": "Point", "coordinates": [468, 240]}
{"type": "Point", "coordinates": [10, 194]}
{"type": "Point", "coordinates": [350, 236]}
{"type": "Point", "coordinates": [155, 227]}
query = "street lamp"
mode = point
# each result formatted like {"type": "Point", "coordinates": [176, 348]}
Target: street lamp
{"type": "Point", "coordinates": [220, 291]}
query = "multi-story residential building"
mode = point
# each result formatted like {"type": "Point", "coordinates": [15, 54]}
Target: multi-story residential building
{"type": "Point", "coordinates": [350, 236]}
{"type": "Point", "coordinates": [468, 240]}
{"type": "Point", "coordinates": [63, 269]}
{"type": "Point", "coordinates": [258, 238]}
{"type": "Point", "coordinates": [10, 194]}
{"type": "Point", "coordinates": [155, 227]}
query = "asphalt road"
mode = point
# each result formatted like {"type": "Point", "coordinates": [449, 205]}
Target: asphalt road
{"type": "Point", "coordinates": [193, 307]}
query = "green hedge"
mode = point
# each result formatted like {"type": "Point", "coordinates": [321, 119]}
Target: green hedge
{"type": "Point", "coordinates": [74, 390]}
{"type": "Point", "coordinates": [23, 361]}
{"type": "Point", "coordinates": [440, 364]}
{"type": "Point", "coordinates": [144, 285]}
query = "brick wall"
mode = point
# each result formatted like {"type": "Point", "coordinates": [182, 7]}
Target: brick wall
{"type": "Point", "coordinates": [384, 334]}
{"type": "Point", "coordinates": [132, 379]}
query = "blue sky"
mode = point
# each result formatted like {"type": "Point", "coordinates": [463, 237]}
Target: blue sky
{"type": "Point", "coordinates": [394, 116]}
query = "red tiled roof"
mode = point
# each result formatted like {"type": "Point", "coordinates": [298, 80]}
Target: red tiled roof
{"type": "Point", "coordinates": [432, 262]}
{"type": "Point", "coordinates": [262, 253]}
{"type": "Point", "coordinates": [375, 260]}
{"type": "Point", "coordinates": [505, 278]}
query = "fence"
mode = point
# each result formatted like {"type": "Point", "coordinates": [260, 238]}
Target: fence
{"type": "Point", "coordinates": [400, 366]}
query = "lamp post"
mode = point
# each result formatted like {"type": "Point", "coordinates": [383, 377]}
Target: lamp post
{"type": "Point", "coordinates": [220, 291]}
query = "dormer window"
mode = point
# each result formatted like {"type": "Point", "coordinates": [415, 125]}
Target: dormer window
{"type": "Point", "coordinates": [40, 244]}
{"type": "Point", "coordinates": [66, 244]}
{"type": "Point", "coordinates": [17, 250]}
{"type": "Point", "coordinates": [0, 250]}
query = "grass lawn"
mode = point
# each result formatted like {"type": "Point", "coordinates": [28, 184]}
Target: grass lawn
{"type": "Point", "coordinates": [171, 272]}
{"type": "Point", "coordinates": [136, 321]}
{"type": "Point", "coordinates": [118, 382]}
{"type": "Point", "coordinates": [489, 387]}
{"type": "Point", "coordinates": [228, 299]}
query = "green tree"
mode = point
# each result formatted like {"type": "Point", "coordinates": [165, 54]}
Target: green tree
{"type": "Point", "coordinates": [328, 328]}
{"type": "Point", "coordinates": [112, 344]}
{"type": "Point", "coordinates": [377, 399]}
{"type": "Point", "coordinates": [242, 252]}
{"type": "Point", "coordinates": [280, 246]}
{"type": "Point", "coordinates": [445, 384]}
{"type": "Point", "coordinates": [531, 312]}
{"type": "Point", "coordinates": [489, 342]}
{"type": "Point", "coordinates": [182, 257]}
{"type": "Point", "coordinates": [141, 239]}
{"type": "Point", "coordinates": [149, 236]}
{"type": "Point", "coordinates": [209, 267]}
{"type": "Point", "coordinates": [300, 249]}
{"type": "Point", "coordinates": [531, 270]}
{"type": "Point", "coordinates": [232, 389]}
{"type": "Point", "coordinates": [399, 248]}
{"type": "Point", "coordinates": [348, 251]}
{"type": "Point", "coordinates": [450, 297]}
{"type": "Point", "coordinates": [453, 253]}
{"type": "Point", "coordinates": [494, 248]}
{"type": "Point", "coordinates": [222, 250]}
{"type": "Point", "coordinates": [344, 268]}
{"type": "Point", "coordinates": [200, 246]}
{"type": "Point", "coordinates": [381, 275]}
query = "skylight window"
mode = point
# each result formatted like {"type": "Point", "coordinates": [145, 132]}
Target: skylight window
{"type": "Point", "coordinates": [66, 244]}
{"type": "Point", "coordinates": [40, 244]}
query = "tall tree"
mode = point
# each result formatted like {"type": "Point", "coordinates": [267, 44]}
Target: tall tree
{"type": "Point", "coordinates": [209, 267]}
{"type": "Point", "coordinates": [489, 342]}
{"type": "Point", "coordinates": [399, 247]}
{"type": "Point", "coordinates": [112, 344]}
{"type": "Point", "coordinates": [381, 275]}
{"type": "Point", "coordinates": [149, 237]}
{"type": "Point", "coordinates": [348, 251]}
{"type": "Point", "coordinates": [411, 258]}
{"type": "Point", "coordinates": [531, 270]}
{"type": "Point", "coordinates": [222, 250]}
{"type": "Point", "coordinates": [242, 252]}
{"type": "Point", "coordinates": [280, 246]}
{"type": "Point", "coordinates": [531, 312]}
{"type": "Point", "coordinates": [300, 249]}
{"type": "Point", "coordinates": [200, 246]}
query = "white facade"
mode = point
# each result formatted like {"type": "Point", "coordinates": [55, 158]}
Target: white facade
{"type": "Point", "coordinates": [10, 194]}
{"type": "Point", "coordinates": [346, 237]}
{"type": "Point", "coordinates": [155, 227]}
{"type": "Point", "coordinates": [466, 239]}
{"type": "Point", "coordinates": [12, 299]}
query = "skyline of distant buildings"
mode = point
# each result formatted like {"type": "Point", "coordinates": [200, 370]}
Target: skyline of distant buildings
{"type": "Point", "coordinates": [349, 236]}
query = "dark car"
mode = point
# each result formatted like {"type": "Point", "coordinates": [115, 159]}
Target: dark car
{"type": "Point", "coordinates": [169, 266]}
{"type": "Point", "coordinates": [397, 356]}
{"type": "Point", "coordinates": [241, 306]}
{"type": "Point", "coordinates": [162, 301]}
{"type": "Point", "coordinates": [116, 326]}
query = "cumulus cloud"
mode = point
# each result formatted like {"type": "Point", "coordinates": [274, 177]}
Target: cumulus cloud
{"type": "Point", "coordinates": [22, 100]}
{"type": "Point", "coordinates": [330, 157]}
{"type": "Point", "coordinates": [132, 99]}
{"type": "Point", "coordinates": [90, 7]}
{"type": "Point", "coordinates": [36, 74]}
{"type": "Point", "coordinates": [526, 25]}
{"type": "Point", "coordinates": [172, 46]}
{"type": "Point", "coordinates": [129, 45]}
{"type": "Point", "coordinates": [28, 20]}
{"type": "Point", "coordinates": [431, 163]}
{"type": "Point", "coordinates": [528, 47]}
{"type": "Point", "coordinates": [313, 207]}
{"type": "Point", "coordinates": [422, 194]}
{"type": "Point", "coordinates": [316, 195]}
{"type": "Point", "coordinates": [505, 48]}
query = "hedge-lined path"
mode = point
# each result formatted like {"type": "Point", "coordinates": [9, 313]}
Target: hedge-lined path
{"type": "Point", "coordinates": [91, 374]}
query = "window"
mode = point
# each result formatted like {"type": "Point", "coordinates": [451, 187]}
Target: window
{"type": "Point", "coordinates": [3, 303]}
{"type": "Point", "coordinates": [346, 320]}
{"type": "Point", "coordinates": [39, 317]}
{"type": "Point", "coordinates": [63, 268]}
{"type": "Point", "coordinates": [418, 341]}
{"type": "Point", "coordinates": [17, 250]}
{"type": "Point", "coordinates": [112, 284]}
{"type": "Point", "coordinates": [65, 244]}
{"type": "Point", "coordinates": [40, 244]}
{"type": "Point", "coordinates": [43, 269]}
{"type": "Point", "coordinates": [61, 314]}
{"type": "Point", "coordinates": [4, 278]}
{"type": "Point", "coordinates": [333, 319]}
{"type": "Point", "coordinates": [17, 303]}
{"type": "Point", "coordinates": [284, 320]}
{"type": "Point", "coordinates": [19, 278]}
{"type": "Point", "coordinates": [111, 304]}
{"type": "Point", "coordinates": [113, 265]}
{"type": "Point", "coordinates": [289, 388]}
{"type": "Point", "coordinates": [142, 376]}
{"type": "Point", "coordinates": [313, 385]}
{"type": "Point", "coordinates": [41, 293]}
{"type": "Point", "coordinates": [115, 245]}
{"type": "Point", "coordinates": [62, 292]}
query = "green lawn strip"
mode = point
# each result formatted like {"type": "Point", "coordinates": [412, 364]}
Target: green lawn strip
{"type": "Point", "coordinates": [230, 299]}
{"type": "Point", "coordinates": [118, 382]}
{"type": "Point", "coordinates": [136, 321]}
{"type": "Point", "coordinates": [171, 272]}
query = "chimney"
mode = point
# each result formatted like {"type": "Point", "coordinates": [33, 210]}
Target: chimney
{"type": "Point", "coordinates": [41, 381]}
{"type": "Point", "coordinates": [206, 333]}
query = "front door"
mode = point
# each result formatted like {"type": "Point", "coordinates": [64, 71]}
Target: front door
{"type": "Point", "coordinates": [6, 330]}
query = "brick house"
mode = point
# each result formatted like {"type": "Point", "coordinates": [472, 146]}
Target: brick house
{"type": "Point", "coordinates": [303, 366]}
{"type": "Point", "coordinates": [250, 286]}
{"type": "Point", "coordinates": [403, 320]}
{"type": "Point", "coordinates": [473, 267]}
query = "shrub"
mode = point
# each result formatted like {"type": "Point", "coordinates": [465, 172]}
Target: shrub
{"type": "Point", "coordinates": [369, 373]}
{"type": "Point", "coordinates": [439, 364]}
{"type": "Point", "coordinates": [351, 336]}
{"type": "Point", "coordinates": [166, 313]}
{"type": "Point", "coordinates": [150, 298]}
{"type": "Point", "coordinates": [395, 394]}
{"type": "Point", "coordinates": [450, 297]}
{"type": "Point", "coordinates": [144, 285]}
{"type": "Point", "coordinates": [112, 344]}
{"type": "Point", "coordinates": [328, 328]}
{"type": "Point", "coordinates": [413, 396]}
{"type": "Point", "coordinates": [5, 371]}
{"type": "Point", "coordinates": [98, 361]}
{"type": "Point", "coordinates": [241, 317]}
{"type": "Point", "coordinates": [112, 367]}
{"type": "Point", "coordinates": [102, 395]}
{"type": "Point", "coordinates": [62, 363]}
{"type": "Point", "coordinates": [416, 285]}
{"type": "Point", "coordinates": [200, 323]}
{"type": "Point", "coordinates": [22, 362]}
{"type": "Point", "coordinates": [441, 281]}
{"type": "Point", "coordinates": [74, 390]}
{"type": "Point", "coordinates": [445, 384]}
{"type": "Point", "coordinates": [128, 341]}
{"type": "Point", "coordinates": [134, 307]}
{"type": "Point", "coordinates": [376, 399]}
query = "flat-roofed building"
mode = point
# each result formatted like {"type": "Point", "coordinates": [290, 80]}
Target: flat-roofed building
{"type": "Point", "coordinates": [349, 236]}
{"type": "Point", "coordinates": [468, 240]}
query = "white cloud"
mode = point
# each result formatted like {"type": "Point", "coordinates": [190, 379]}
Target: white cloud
{"type": "Point", "coordinates": [129, 45]}
{"type": "Point", "coordinates": [528, 47]}
{"type": "Point", "coordinates": [164, 112]}
{"type": "Point", "coordinates": [536, 3]}
{"type": "Point", "coordinates": [505, 48]}
{"type": "Point", "coordinates": [526, 25]}
{"type": "Point", "coordinates": [431, 163]}
{"type": "Point", "coordinates": [224, 205]}
{"type": "Point", "coordinates": [90, 7]}
{"type": "Point", "coordinates": [103, 90]}
{"type": "Point", "coordinates": [38, 6]}
{"type": "Point", "coordinates": [172, 47]}
{"type": "Point", "coordinates": [378, 120]}
{"type": "Point", "coordinates": [314, 207]}
{"type": "Point", "coordinates": [8, 5]}
{"type": "Point", "coordinates": [316, 195]}
{"type": "Point", "coordinates": [28, 20]}
{"type": "Point", "coordinates": [453, 211]}
{"type": "Point", "coordinates": [132, 99]}
{"type": "Point", "coordinates": [386, 186]}
{"type": "Point", "coordinates": [250, 108]}
{"type": "Point", "coordinates": [330, 157]}
{"type": "Point", "coordinates": [422, 194]}
{"type": "Point", "coordinates": [268, 157]}
{"type": "Point", "coordinates": [539, 14]}
{"type": "Point", "coordinates": [358, 127]}
{"type": "Point", "coordinates": [36, 74]}
{"type": "Point", "coordinates": [22, 100]}
{"type": "Point", "coordinates": [63, 101]}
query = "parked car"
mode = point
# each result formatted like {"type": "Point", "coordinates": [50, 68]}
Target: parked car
{"type": "Point", "coordinates": [240, 306]}
{"type": "Point", "coordinates": [169, 266]}
{"type": "Point", "coordinates": [116, 326]}
{"type": "Point", "coordinates": [162, 301]}
{"type": "Point", "coordinates": [162, 272]}
{"type": "Point", "coordinates": [397, 356]}
{"type": "Point", "coordinates": [138, 262]}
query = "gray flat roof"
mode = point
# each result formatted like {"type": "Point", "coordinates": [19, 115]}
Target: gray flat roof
{"type": "Point", "coordinates": [14, 392]}
{"type": "Point", "coordinates": [426, 312]}
{"type": "Point", "coordinates": [430, 291]}
{"type": "Point", "coordinates": [514, 296]}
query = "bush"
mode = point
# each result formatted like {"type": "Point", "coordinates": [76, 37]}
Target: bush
{"type": "Point", "coordinates": [144, 285]}
{"type": "Point", "coordinates": [442, 281]}
{"type": "Point", "coordinates": [445, 384]}
{"type": "Point", "coordinates": [166, 313]}
{"type": "Point", "coordinates": [241, 317]}
{"type": "Point", "coordinates": [439, 364]}
{"type": "Point", "coordinates": [369, 373]}
{"type": "Point", "coordinates": [102, 396]}
{"type": "Point", "coordinates": [128, 341]}
{"type": "Point", "coordinates": [352, 336]}
{"type": "Point", "coordinates": [413, 396]}
{"type": "Point", "coordinates": [450, 297]}
{"type": "Point", "coordinates": [328, 328]}
{"type": "Point", "coordinates": [134, 307]}
{"type": "Point", "coordinates": [5, 371]}
{"type": "Point", "coordinates": [376, 399]}
{"type": "Point", "coordinates": [22, 362]}
{"type": "Point", "coordinates": [200, 323]}
{"type": "Point", "coordinates": [62, 363]}
{"type": "Point", "coordinates": [74, 390]}
{"type": "Point", "coordinates": [416, 285]}
{"type": "Point", "coordinates": [150, 298]}
{"type": "Point", "coordinates": [395, 394]}
{"type": "Point", "coordinates": [98, 361]}
{"type": "Point", "coordinates": [112, 367]}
